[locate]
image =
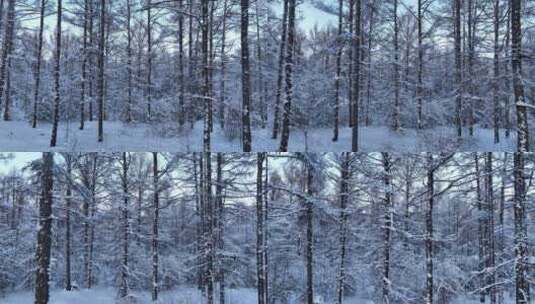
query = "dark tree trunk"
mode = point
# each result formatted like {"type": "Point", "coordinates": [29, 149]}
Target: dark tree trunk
{"type": "Point", "coordinates": [458, 75]}
{"type": "Point", "coordinates": [57, 57]}
{"type": "Point", "coordinates": [260, 267]}
{"type": "Point", "coordinates": [129, 60]}
{"type": "Point", "coordinates": [68, 284]}
{"type": "Point", "coordinates": [7, 47]}
{"type": "Point", "coordinates": [149, 60]}
{"type": "Point", "coordinates": [489, 202]}
{"type": "Point", "coordinates": [419, 85]}
{"type": "Point", "coordinates": [123, 291]}
{"type": "Point", "coordinates": [429, 229]}
{"type": "Point", "coordinates": [356, 79]}
{"type": "Point", "coordinates": [222, 99]}
{"type": "Point", "coordinates": [520, 235]}
{"type": "Point", "coordinates": [246, 82]}
{"type": "Point", "coordinates": [281, 70]}
{"type": "Point", "coordinates": [44, 233]}
{"type": "Point", "coordinates": [181, 109]}
{"type": "Point", "coordinates": [309, 233]}
{"type": "Point", "coordinates": [205, 76]}
{"type": "Point", "coordinates": [496, 73]}
{"type": "Point", "coordinates": [344, 199]}
{"type": "Point", "coordinates": [101, 71]}
{"type": "Point", "coordinates": [287, 105]}
{"type": "Point", "coordinates": [338, 70]}
{"type": "Point", "coordinates": [155, 219]}
{"type": "Point", "coordinates": [518, 86]}
{"type": "Point", "coordinates": [388, 225]}
{"type": "Point", "coordinates": [396, 124]}
{"type": "Point", "coordinates": [38, 64]}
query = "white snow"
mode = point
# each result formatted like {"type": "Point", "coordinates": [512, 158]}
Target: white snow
{"type": "Point", "coordinates": [19, 136]}
{"type": "Point", "coordinates": [109, 296]}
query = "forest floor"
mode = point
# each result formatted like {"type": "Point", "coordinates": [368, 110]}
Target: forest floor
{"type": "Point", "coordinates": [178, 296]}
{"type": "Point", "coordinates": [19, 136]}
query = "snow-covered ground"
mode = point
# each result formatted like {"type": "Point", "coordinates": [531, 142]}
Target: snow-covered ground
{"type": "Point", "coordinates": [109, 296]}
{"type": "Point", "coordinates": [19, 136]}
{"type": "Point", "coordinates": [178, 296]}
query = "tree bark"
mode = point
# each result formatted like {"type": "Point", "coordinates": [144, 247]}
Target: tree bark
{"type": "Point", "coordinates": [38, 64]}
{"type": "Point", "coordinates": [123, 291]}
{"type": "Point", "coordinates": [344, 198]}
{"type": "Point", "coordinates": [155, 219]}
{"type": "Point", "coordinates": [44, 239]}
{"type": "Point", "coordinates": [287, 104]}
{"type": "Point", "coordinates": [429, 229]}
{"type": "Point", "coordinates": [246, 82]}
{"type": "Point", "coordinates": [356, 79]}
{"type": "Point", "coordinates": [68, 284]}
{"type": "Point", "coordinates": [100, 97]}
{"type": "Point", "coordinates": [518, 86]}
{"type": "Point", "coordinates": [281, 69]}
{"type": "Point", "coordinates": [7, 46]}
{"type": "Point", "coordinates": [260, 267]}
{"type": "Point", "coordinates": [520, 235]}
{"type": "Point", "coordinates": [338, 70]}
{"type": "Point", "coordinates": [458, 74]}
{"type": "Point", "coordinates": [57, 57]}
{"type": "Point", "coordinates": [388, 225]}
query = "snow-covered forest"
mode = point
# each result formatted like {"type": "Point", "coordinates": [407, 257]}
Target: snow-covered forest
{"type": "Point", "coordinates": [267, 228]}
{"type": "Point", "coordinates": [226, 75]}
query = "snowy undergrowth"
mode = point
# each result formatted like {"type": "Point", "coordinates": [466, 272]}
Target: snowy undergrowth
{"type": "Point", "coordinates": [109, 296]}
{"type": "Point", "coordinates": [19, 136]}
{"type": "Point", "coordinates": [178, 296]}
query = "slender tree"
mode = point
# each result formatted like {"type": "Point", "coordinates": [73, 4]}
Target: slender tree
{"type": "Point", "coordinates": [246, 82]}
{"type": "Point", "coordinates": [7, 47]}
{"type": "Point", "coordinates": [38, 63]}
{"type": "Point", "coordinates": [458, 75]}
{"type": "Point", "coordinates": [287, 104]}
{"type": "Point", "coordinates": [155, 220]}
{"type": "Point", "coordinates": [338, 71]}
{"type": "Point", "coordinates": [518, 86]}
{"type": "Point", "coordinates": [57, 57]}
{"type": "Point", "coordinates": [281, 70]}
{"type": "Point", "coordinates": [44, 240]}
{"type": "Point", "coordinates": [520, 235]}
{"type": "Point", "coordinates": [356, 79]}
{"type": "Point", "coordinates": [68, 203]}
{"type": "Point", "coordinates": [260, 267]}
{"type": "Point", "coordinates": [100, 97]}
{"type": "Point", "coordinates": [123, 291]}
{"type": "Point", "coordinates": [344, 198]}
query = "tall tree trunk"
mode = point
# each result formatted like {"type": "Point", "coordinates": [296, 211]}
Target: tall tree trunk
{"type": "Point", "coordinates": [520, 235]}
{"type": "Point", "coordinates": [339, 49]}
{"type": "Point", "coordinates": [287, 104]}
{"type": "Point", "coordinates": [419, 85]}
{"type": "Point", "coordinates": [281, 69]}
{"type": "Point", "coordinates": [369, 65]}
{"type": "Point", "coordinates": [44, 240]}
{"type": "Point", "coordinates": [496, 73]}
{"type": "Point", "coordinates": [68, 284]}
{"type": "Point", "coordinates": [129, 60]}
{"type": "Point", "coordinates": [222, 99]}
{"type": "Point", "coordinates": [100, 97]}
{"type": "Point", "coordinates": [155, 219]}
{"type": "Point", "coordinates": [309, 205]}
{"type": "Point", "coordinates": [356, 78]}
{"type": "Point", "coordinates": [205, 76]}
{"type": "Point", "coordinates": [481, 232]}
{"type": "Point", "coordinates": [181, 109]}
{"type": "Point", "coordinates": [491, 258]}
{"type": "Point", "coordinates": [84, 62]}
{"type": "Point", "coordinates": [260, 267]}
{"type": "Point", "coordinates": [89, 58]}
{"type": "Point", "coordinates": [429, 229]}
{"type": "Point", "coordinates": [246, 82]}
{"type": "Point", "coordinates": [220, 219]}
{"type": "Point", "coordinates": [7, 46]}
{"type": "Point", "coordinates": [458, 75]}
{"type": "Point", "coordinates": [388, 225]}
{"type": "Point", "coordinates": [123, 291]}
{"type": "Point", "coordinates": [208, 227]}
{"type": "Point", "coordinates": [149, 60]}
{"type": "Point", "coordinates": [344, 198]}
{"type": "Point", "coordinates": [57, 57]}
{"type": "Point", "coordinates": [260, 79]}
{"type": "Point", "coordinates": [38, 64]}
{"type": "Point", "coordinates": [518, 86]}
{"type": "Point", "coordinates": [396, 124]}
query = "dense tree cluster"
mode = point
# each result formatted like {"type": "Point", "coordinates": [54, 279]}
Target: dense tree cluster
{"type": "Point", "coordinates": [245, 65]}
{"type": "Point", "coordinates": [292, 226]}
